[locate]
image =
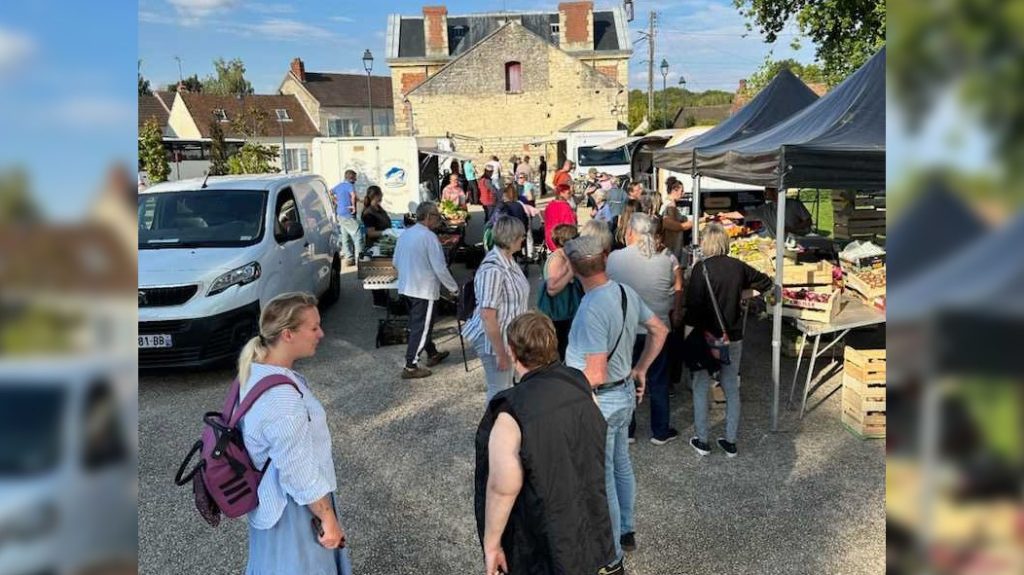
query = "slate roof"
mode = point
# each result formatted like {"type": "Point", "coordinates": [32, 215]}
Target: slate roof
{"type": "Point", "coordinates": [348, 90]}
{"type": "Point", "coordinates": [201, 107]}
{"type": "Point", "coordinates": [464, 31]}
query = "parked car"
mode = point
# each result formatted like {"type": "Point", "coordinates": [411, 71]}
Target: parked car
{"type": "Point", "coordinates": [68, 466]}
{"type": "Point", "coordinates": [211, 253]}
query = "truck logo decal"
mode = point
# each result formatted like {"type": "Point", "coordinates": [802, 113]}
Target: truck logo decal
{"type": "Point", "coordinates": [394, 178]}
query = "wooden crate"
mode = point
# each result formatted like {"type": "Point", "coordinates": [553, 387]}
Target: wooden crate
{"type": "Point", "coordinates": [819, 274]}
{"type": "Point", "coordinates": [864, 425]}
{"type": "Point", "coordinates": [375, 267]}
{"type": "Point", "coordinates": [864, 365]}
{"type": "Point", "coordinates": [812, 311]}
{"type": "Point", "coordinates": [861, 287]}
{"type": "Point", "coordinates": [863, 398]}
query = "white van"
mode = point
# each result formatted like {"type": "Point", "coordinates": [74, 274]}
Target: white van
{"type": "Point", "coordinates": [68, 466]}
{"type": "Point", "coordinates": [211, 254]}
{"type": "Point", "coordinates": [581, 148]}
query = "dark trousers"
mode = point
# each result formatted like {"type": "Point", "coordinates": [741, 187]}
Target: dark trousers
{"type": "Point", "coordinates": [488, 210]}
{"type": "Point", "coordinates": [562, 328]}
{"type": "Point", "coordinates": [474, 192]}
{"type": "Point", "coordinates": [422, 313]}
{"type": "Point", "coordinates": [657, 390]}
{"type": "Point", "coordinates": [543, 182]}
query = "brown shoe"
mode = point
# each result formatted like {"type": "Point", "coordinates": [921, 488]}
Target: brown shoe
{"type": "Point", "coordinates": [437, 358]}
{"type": "Point", "coordinates": [415, 372]}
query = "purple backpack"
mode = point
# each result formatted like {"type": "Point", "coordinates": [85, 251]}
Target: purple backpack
{"type": "Point", "coordinates": [224, 479]}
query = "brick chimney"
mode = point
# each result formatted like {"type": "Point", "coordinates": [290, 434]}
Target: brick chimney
{"type": "Point", "coordinates": [299, 69]}
{"type": "Point", "coordinates": [576, 26]}
{"type": "Point", "coordinates": [435, 28]}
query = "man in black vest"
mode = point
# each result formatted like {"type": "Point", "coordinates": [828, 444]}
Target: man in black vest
{"type": "Point", "coordinates": [540, 485]}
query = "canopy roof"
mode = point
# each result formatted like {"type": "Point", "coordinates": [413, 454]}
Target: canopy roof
{"type": "Point", "coordinates": [836, 142]}
{"type": "Point", "coordinates": [784, 96]}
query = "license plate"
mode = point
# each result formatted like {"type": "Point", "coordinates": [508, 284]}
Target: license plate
{"type": "Point", "coordinates": [146, 341]}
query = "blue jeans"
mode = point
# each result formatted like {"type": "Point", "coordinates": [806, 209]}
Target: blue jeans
{"type": "Point", "coordinates": [657, 389]}
{"type": "Point", "coordinates": [729, 379]}
{"type": "Point", "coordinates": [496, 380]}
{"type": "Point", "coordinates": [350, 234]}
{"type": "Point", "coordinates": [617, 406]}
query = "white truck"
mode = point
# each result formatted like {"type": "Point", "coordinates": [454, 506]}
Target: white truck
{"type": "Point", "coordinates": [580, 148]}
{"type": "Point", "coordinates": [389, 162]}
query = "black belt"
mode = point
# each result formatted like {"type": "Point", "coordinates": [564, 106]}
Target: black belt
{"type": "Point", "coordinates": [609, 386]}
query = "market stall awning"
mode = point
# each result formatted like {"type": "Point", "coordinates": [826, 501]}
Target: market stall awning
{"type": "Point", "coordinates": [783, 97]}
{"type": "Point", "coordinates": [686, 134]}
{"type": "Point", "coordinates": [444, 154]}
{"type": "Point", "coordinates": [554, 138]}
{"type": "Point", "coordinates": [616, 143]}
{"type": "Point", "coordinates": [655, 136]}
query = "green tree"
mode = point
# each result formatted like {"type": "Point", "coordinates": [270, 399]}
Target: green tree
{"type": "Point", "coordinates": [151, 152]}
{"type": "Point", "coordinates": [228, 80]}
{"type": "Point", "coordinates": [218, 150]}
{"type": "Point", "coordinates": [16, 203]}
{"type": "Point", "coordinates": [846, 32]}
{"type": "Point", "coordinates": [143, 83]}
{"type": "Point", "coordinates": [253, 158]}
{"type": "Point", "coordinates": [809, 73]}
{"type": "Point", "coordinates": [191, 84]}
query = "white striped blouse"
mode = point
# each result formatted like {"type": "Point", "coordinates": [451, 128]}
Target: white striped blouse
{"type": "Point", "coordinates": [500, 285]}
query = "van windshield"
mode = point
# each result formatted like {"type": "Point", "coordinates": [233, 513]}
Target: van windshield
{"type": "Point", "coordinates": [30, 429]}
{"type": "Point", "coordinates": [589, 156]}
{"type": "Point", "coordinates": [201, 219]}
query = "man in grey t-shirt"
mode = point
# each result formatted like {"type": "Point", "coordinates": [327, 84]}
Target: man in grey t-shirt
{"type": "Point", "coordinates": [601, 346]}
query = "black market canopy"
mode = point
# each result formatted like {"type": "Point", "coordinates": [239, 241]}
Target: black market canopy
{"type": "Point", "coordinates": [836, 142]}
{"type": "Point", "coordinates": [784, 96]}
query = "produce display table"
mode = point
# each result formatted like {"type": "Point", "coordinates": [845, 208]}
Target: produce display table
{"type": "Point", "coordinates": [853, 314]}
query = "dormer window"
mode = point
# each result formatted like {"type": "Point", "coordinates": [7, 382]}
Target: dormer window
{"type": "Point", "coordinates": [282, 115]}
{"type": "Point", "coordinates": [513, 77]}
{"type": "Point", "coordinates": [220, 115]}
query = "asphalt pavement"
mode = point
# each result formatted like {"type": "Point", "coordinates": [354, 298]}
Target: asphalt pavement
{"type": "Point", "coordinates": [806, 499]}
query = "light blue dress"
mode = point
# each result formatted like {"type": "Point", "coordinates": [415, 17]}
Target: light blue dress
{"type": "Point", "coordinates": [290, 547]}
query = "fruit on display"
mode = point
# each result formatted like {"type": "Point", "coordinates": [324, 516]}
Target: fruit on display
{"type": "Point", "coordinates": [386, 244]}
{"type": "Point", "coordinates": [873, 278]}
{"type": "Point", "coordinates": [806, 295]}
{"type": "Point", "coordinates": [452, 212]}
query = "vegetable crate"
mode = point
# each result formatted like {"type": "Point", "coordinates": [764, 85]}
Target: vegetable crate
{"type": "Point", "coordinates": [863, 399]}
{"type": "Point", "coordinates": [807, 310]}
{"type": "Point", "coordinates": [375, 267]}
{"type": "Point", "coordinates": [818, 274]}
{"type": "Point", "coordinates": [867, 284]}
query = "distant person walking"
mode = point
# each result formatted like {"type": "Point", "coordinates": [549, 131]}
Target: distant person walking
{"type": "Point", "coordinates": [470, 172]}
{"type": "Point", "coordinates": [540, 499]}
{"type": "Point", "coordinates": [542, 171]}
{"type": "Point", "coordinates": [488, 193]}
{"type": "Point", "coordinates": [422, 269]}
{"type": "Point", "coordinates": [495, 167]}
{"type": "Point", "coordinates": [351, 237]}
{"type": "Point", "coordinates": [558, 211]}
{"type": "Point", "coordinates": [286, 432]}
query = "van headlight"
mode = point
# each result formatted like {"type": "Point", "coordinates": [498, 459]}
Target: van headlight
{"type": "Point", "coordinates": [239, 276]}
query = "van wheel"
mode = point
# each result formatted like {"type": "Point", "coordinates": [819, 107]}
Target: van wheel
{"type": "Point", "coordinates": [333, 293]}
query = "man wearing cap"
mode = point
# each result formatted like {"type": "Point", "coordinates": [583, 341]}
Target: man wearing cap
{"type": "Point", "coordinates": [600, 345]}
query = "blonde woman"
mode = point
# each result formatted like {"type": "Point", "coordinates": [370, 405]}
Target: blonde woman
{"type": "Point", "coordinates": [286, 431]}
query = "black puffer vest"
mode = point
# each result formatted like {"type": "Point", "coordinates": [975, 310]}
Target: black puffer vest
{"type": "Point", "coordinates": [559, 522]}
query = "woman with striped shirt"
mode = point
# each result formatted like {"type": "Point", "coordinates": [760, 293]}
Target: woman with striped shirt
{"type": "Point", "coordinates": [502, 293]}
{"type": "Point", "coordinates": [287, 428]}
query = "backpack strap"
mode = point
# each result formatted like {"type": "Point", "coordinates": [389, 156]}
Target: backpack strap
{"type": "Point", "coordinates": [261, 387]}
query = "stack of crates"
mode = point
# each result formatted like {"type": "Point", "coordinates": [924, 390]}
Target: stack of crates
{"type": "Point", "coordinates": [863, 401]}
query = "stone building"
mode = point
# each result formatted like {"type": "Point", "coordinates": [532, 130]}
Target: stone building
{"type": "Point", "coordinates": [499, 83]}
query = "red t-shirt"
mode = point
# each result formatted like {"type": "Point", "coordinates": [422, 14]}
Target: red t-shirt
{"type": "Point", "coordinates": [557, 213]}
{"type": "Point", "coordinates": [487, 195]}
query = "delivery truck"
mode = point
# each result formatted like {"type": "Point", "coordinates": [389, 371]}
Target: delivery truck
{"type": "Point", "coordinates": [389, 162]}
{"type": "Point", "coordinates": [580, 148]}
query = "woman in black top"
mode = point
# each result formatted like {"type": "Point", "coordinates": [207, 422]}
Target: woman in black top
{"type": "Point", "coordinates": [728, 277]}
{"type": "Point", "coordinates": [375, 218]}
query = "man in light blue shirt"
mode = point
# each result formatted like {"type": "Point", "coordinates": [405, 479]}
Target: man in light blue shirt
{"type": "Point", "coordinates": [422, 269]}
{"type": "Point", "coordinates": [351, 236]}
{"type": "Point", "coordinates": [601, 346]}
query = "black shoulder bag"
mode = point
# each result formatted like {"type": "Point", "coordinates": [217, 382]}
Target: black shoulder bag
{"type": "Point", "coordinates": [719, 346]}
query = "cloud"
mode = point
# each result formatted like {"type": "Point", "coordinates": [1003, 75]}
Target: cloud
{"type": "Point", "coordinates": [92, 112]}
{"type": "Point", "coordinates": [283, 29]}
{"type": "Point", "coordinates": [155, 18]}
{"type": "Point", "coordinates": [271, 8]}
{"type": "Point", "coordinates": [191, 12]}
{"type": "Point", "coordinates": [342, 19]}
{"type": "Point", "coordinates": [15, 48]}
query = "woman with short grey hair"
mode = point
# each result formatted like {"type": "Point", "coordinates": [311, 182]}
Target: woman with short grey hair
{"type": "Point", "coordinates": [656, 276]}
{"type": "Point", "coordinates": [714, 241]}
{"type": "Point", "coordinates": [502, 294]}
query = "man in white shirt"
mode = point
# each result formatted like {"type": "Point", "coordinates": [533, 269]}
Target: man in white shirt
{"type": "Point", "coordinates": [421, 271]}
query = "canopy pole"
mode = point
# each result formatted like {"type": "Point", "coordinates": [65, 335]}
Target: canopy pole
{"type": "Point", "coordinates": [695, 211]}
{"type": "Point", "coordinates": [780, 246]}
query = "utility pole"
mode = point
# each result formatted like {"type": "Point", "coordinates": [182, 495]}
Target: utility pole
{"type": "Point", "coordinates": [180, 80]}
{"type": "Point", "coordinates": [650, 68]}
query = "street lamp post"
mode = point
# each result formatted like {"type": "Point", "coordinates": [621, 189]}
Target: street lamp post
{"type": "Point", "coordinates": [664, 93]}
{"type": "Point", "coordinates": [368, 65]}
{"type": "Point", "coordinates": [682, 83]}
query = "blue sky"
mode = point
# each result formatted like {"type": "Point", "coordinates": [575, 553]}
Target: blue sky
{"type": "Point", "coordinates": [67, 103]}
{"type": "Point", "coordinates": [704, 40]}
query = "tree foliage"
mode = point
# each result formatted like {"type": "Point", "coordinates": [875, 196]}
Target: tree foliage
{"type": "Point", "coordinates": [809, 73]}
{"type": "Point", "coordinates": [16, 203]}
{"type": "Point", "coordinates": [218, 150]}
{"type": "Point", "coordinates": [228, 79]}
{"type": "Point", "coordinates": [253, 158]}
{"type": "Point", "coordinates": [151, 152]}
{"type": "Point", "coordinates": [191, 84]}
{"type": "Point", "coordinates": [846, 32]}
{"type": "Point", "coordinates": [143, 83]}
{"type": "Point", "coordinates": [672, 99]}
